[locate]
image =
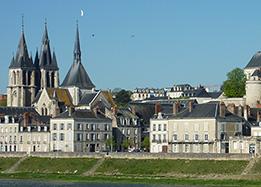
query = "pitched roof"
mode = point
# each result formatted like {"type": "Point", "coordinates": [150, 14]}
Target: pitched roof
{"type": "Point", "coordinates": [255, 61]}
{"type": "Point", "coordinates": [87, 98]}
{"type": "Point", "coordinates": [108, 96]}
{"type": "Point", "coordinates": [22, 59]}
{"type": "Point", "coordinates": [77, 76]}
{"type": "Point", "coordinates": [62, 95]}
{"type": "Point", "coordinates": [256, 73]}
{"type": "Point", "coordinates": [83, 114]}
{"type": "Point", "coordinates": [16, 110]}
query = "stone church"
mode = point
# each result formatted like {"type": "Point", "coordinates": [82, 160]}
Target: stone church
{"type": "Point", "coordinates": [36, 82]}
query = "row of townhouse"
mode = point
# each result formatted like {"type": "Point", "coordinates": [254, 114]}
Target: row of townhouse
{"type": "Point", "coordinates": [199, 128]}
{"type": "Point", "coordinates": [22, 129]}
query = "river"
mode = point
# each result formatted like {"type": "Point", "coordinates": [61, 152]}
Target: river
{"type": "Point", "coordinates": [31, 183]}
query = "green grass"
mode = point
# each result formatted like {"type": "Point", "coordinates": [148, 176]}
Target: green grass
{"type": "Point", "coordinates": [132, 180]}
{"type": "Point", "coordinates": [256, 168]}
{"type": "Point", "coordinates": [6, 163]}
{"type": "Point", "coordinates": [162, 167]}
{"type": "Point", "coordinates": [56, 165]}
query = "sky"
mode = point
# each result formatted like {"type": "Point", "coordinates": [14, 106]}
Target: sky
{"type": "Point", "coordinates": [138, 43]}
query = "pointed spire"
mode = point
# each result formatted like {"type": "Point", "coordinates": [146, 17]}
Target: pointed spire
{"type": "Point", "coordinates": [45, 59]}
{"type": "Point", "coordinates": [77, 48]}
{"type": "Point", "coordinates": [22, 22]}
{"type": "Point", "coordinates": [36, 59]}
{"type": "Point", "coordinates": [54, 61]}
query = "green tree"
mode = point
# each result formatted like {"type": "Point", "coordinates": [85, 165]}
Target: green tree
{"type": "Point", "coordinates": [234, 86]}
{"type": "Point", "coordinates": [110, 143]}
{"type": "Point", "coordinates": [122, 98]}
{"type": "Point", "coordinates": [146, 143]}
{"type": "Point", "coordinates": [125, 144]}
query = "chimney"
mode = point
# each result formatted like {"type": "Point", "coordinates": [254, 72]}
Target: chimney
{"type": "Point", "coordinates": [239, 111]}
{"type": "Point", "coordinates": [26, 119]}
{"type": "Point", "coordinates": [190, 106]}
{"type": "Point", "coordinates": [70, 110]}
{"type": "Point", "coordinates": [222, 109]}
{"type": "Point", "coordinates": [246, 112]}
{"type": "Point", "coordinates": [232, 108]}
{"type": "Point", "coordinates": [175, 108]}
{"type": "Point", "coordinates": [157, 108]}
{"type": "Point", "coordinates": [257, 116]}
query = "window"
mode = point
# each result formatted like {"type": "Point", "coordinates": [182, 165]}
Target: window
{"type": "Point", "coordinates": [165, 127]}
{"type": "Point", "coordinates": [136, 131]}
{"type": "Point", "coordinates": [186, 137]}
{"type": "Point", "coordinates": [87, 126]}
{"type": "Point", "coordinates": [54, 136]}
{"type": "Point", "coordinates": [154, 138]}
{"type": "Point", "coordinates": [186, 148]}
{"type": "Point", "coordinates": [79, 137]}
{"type": "Point", "coordinates": [154, 127]}
{"type": "Point", "coordinates": [69, 126]}
{"type": "Point", "coordinates": [175, 148]}
{"type": "Point", "coordinates": [92, 137]}
{"type": "Point", "coordinates": [159, 127]}
{"type": "Point", "coordinates": [98, 137]}
{"type": "Point", "coordinates": [106, 127]}
{"type": "Point", "coordinates": [62, 137]}
{"type": "Point", "coordinates": [128, 131]}
{"type": "Point", "coordinates": [78, 126]}
{"type": "Point", "coordinates": [61, 126]}
{"type": "Point", "coordinates": [175, 137]}
{"type": "Point", "coordinates": [21, 138]}
{"type": "Point", "coordinates": [87, 136]}
{"type": "Point", "coordinates": [196, 137]}
{"type": "Point", "coordinates": [54, 126]}
{"type": "Point", "coordinates": [105, 136]}
{"type": "Point", "coordinates": [159, 137]}
{"type": "Point", "coordinates": [206, 137]}
{"type": "Point", "coordinates": [164, 138]}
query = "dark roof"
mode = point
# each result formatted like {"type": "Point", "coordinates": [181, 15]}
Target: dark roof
{"type": "Point", "coordinates": [87, 98]}
{"type": "Point", "coordinates": [46, 61]}
{"type": "Point", "coordinates": [83, 114]}
{"type": "Point", "coordinates": [255, 61]}
{"type": "Point", "coordinates": [214, 94]}
{"type": "Point", "coordinates": [77, 76]}
{"type": "Point", "coordinates": [200, 92]}
{"type": "Point", "coordinates": [125, 112]}
{"type": "Point", "coordinates": [257, 73]}
{"type": "Point", "coordinates": [21, 59]}
{"type": "Point", "coordinates": [207, 110]}
{"type": "Point", "coordinates": [16, 110]}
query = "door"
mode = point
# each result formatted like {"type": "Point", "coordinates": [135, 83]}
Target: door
{"type": "Point", "coordinates": [164, 148]}
{"type": "Point", "coordinates": [92, 147]}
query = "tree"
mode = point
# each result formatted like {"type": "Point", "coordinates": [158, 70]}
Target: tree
{"type": "Point", "coordinates": [146, 143]}
{"type": "Point", "coordinates": [234, 86]}
{"type": "Point", "coordinates": [125, 144]}
{"type": "Point", "coordinates": [110, 143]}
{"type": "Point", "coordinates": [122, 98]}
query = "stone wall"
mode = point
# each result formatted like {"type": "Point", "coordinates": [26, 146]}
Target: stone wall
{"type": "Point", "coordinates": [126, 155]}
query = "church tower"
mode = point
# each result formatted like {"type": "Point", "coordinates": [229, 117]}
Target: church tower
{"type": "Point", "coordinates": [48, 64]}
{"type": "Point", "coordinates": [21, 83]}
{"type": "Point", "coordinates": [77, 81]}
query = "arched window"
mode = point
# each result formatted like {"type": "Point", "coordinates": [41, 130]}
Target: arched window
{"type": "Point", "coordinates": [14, 77]}
{"type": "Point", "coordinates": [45, 111]}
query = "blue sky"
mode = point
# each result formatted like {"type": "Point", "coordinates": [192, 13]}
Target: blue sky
{"type": "Point", "coordinates": [138, 43]}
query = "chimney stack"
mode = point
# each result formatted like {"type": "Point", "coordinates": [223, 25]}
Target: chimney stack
{"type": "Point", "coordinates": [239, 111]}
{"type": "Point", "coordinates": [246, 112]}
{"type": "Point", "coordinates": [26, 119]}
{"type": "Point", "coordinates": [190, 106]}
{"type": "Point", "coordinates": [222, 109]}
{"type": "Point", "coordinates": [157, 108]}
{"type": "Point", "coordinates": [257, 116]}
{"type": "Point", "coordinates": [70, 110]}
{"type": "Point", "coordinates": [175, 108]}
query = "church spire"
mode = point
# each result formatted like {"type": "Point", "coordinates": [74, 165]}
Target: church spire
{"type": "Point", "coordinates": [77, 48]}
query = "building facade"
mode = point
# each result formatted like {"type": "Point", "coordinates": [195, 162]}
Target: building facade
{"type": "Point", "coordinates": [80, 131]}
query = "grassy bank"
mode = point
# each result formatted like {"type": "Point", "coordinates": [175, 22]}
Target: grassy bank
{"type": "Point", "coordinates": [161, 171]}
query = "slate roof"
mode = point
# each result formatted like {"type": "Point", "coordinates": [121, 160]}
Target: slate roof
{"type": "Point", "coordinates": [83, 114]}
{"type": "Point", "coordinates": [255, 61]}
{"type": "Point", "coordinates": [21, 59]}
{"type": "Point", "coordinates": [46, 61]}
{"type": "Point", "coordinates": [256, 73]}
{"type": "Point", "coordinates": [77, 76]}
{"type": "Point", "coordinates": [87, 98]}
{"type": "Point", "coordinates": [126, 113]}
{"type": "Point", "coordinates": [16, 110]}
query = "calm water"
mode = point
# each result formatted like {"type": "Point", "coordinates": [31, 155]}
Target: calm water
{"type": "Point", "coordinates": [30, 183]}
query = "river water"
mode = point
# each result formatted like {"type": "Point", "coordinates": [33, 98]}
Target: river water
{"type": "Point", "coordinates": [31, 183]}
